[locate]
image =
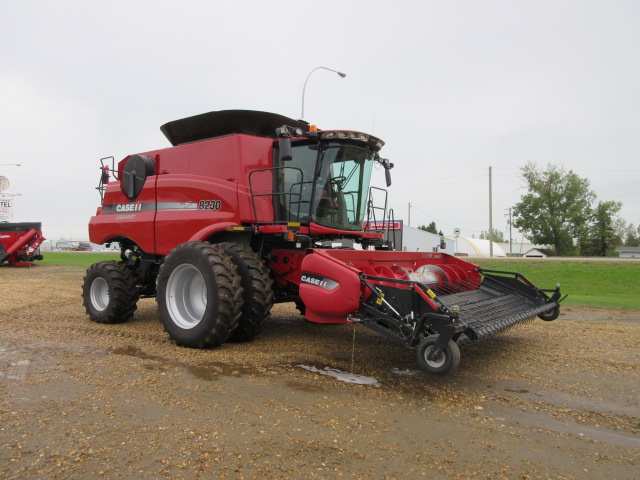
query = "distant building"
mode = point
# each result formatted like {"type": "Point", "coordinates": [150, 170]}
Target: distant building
{"type": "Point", "coordinates": [82, 245]}
{"type": "Point", "coordinates": [539, 252]}
{"type": "Point", "coordinates": [64, 244]}
{"type": "Point", "coordinates": [628, 252]}
{"type": "Point", "coordinates": [416, 240]}
{"type": "Point", "coordinates": [476, 247]}
{"type": "Point", "coordinates": [520, 249]}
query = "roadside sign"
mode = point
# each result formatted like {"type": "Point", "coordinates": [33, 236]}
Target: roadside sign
{"type": "Point", "coordinates": [6, 209]}
{"type": "Point", "coordinates": [382, 225]}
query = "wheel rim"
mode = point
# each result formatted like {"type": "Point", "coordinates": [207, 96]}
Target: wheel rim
{"type": "Point", "coordinates": [99, 294]}
{"type": "Point", "coordinates": [186, 296]}
{"type": "Point", "coordinates": [433, 364]}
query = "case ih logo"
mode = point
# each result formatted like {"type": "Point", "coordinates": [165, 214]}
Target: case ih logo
{"type": "Point", "coordinates": [116, 208]}
{"type": "Point", "coordinates": [128, 207]}
{"type": "Point", "coordinates": [318, 281]}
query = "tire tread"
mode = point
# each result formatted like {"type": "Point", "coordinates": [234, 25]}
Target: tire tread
{"type": "Point", "coordinates": [229, 299]}
{"type": "Point", "coordinates": [123, 295]}
{"type": "Point", "coordinates": [258, 291]}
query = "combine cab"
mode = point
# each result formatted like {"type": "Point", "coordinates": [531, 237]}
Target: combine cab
{"type": "Point", "coordinates": [247, 209]}
{"type": "Point", "coordinates": [20, 243]}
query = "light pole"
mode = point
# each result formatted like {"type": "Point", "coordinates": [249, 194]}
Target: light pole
{"type": "Point", "coordinates": [10, 164]}
{"type": "Point", "coordinates": [305, 83]}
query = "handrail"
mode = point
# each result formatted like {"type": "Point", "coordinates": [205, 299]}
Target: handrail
{"type": "Point", "coordinates": [104, 175]}
{"type": "Point", "coordinates": [276, 211]}
{"type": "Point", "coordinates": [371, 209]}
{"type": "Point", "coordinates": [391, 220]}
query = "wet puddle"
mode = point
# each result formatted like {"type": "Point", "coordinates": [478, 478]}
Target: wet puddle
{"type": "Point", "coordinates": [345, 377]}
{"type": "Point", "coordinates": [210, 371]}
{"type": "Point", "coordinates": [13, 365]}
{"type": "Point", "coordinates": [213, 371]}
{"type": "Point", "coordinates": [515, 391]}
{"type": "Point", "coordinates": [134, 352]}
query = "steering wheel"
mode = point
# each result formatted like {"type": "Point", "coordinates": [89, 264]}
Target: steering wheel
{"type": "Point", "coordinates": [338, 182]}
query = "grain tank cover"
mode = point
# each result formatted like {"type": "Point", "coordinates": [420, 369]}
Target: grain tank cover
{"type": "Point", "coordinates": [227, 122]}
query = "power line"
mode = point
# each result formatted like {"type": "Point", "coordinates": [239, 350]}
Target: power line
{"type": "Point", "coordinates": [436, 185]}
{"type": "Point", "coordinates": [443, 178]}
{"type": "Point", "coordinates": [52, 178]}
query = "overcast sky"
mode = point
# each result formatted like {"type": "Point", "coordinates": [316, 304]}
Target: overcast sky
{"type": "Point", "coordinates": [451, 87]}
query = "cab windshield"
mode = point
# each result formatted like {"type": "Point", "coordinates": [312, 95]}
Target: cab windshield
{"type": "Point", "coordinates": [327, 184]}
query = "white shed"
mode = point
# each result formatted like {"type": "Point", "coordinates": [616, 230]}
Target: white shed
{"type": "Point", "coordinates": [535, 253]}
{"type": "Point", "coordinates": [628, 252]}
{"type": "Point", "coordinates": [416, 240]}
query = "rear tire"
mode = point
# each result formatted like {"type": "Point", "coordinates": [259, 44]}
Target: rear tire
{"type": "Point", "coordinates": [199, 295]}
{"type": "Point", "coordinates": [258, 291]}
{"type": "Point", "coordinates": [448, 360]}
{"type": "Point", "coordinates": [550, 315]}
{"type": "Point", "coordinates": [109, 292]}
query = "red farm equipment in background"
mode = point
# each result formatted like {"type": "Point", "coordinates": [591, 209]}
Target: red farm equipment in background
{"type": "Point", "coordinates": [249, 208]}
{"type": "Point", "coordinates": [20, 243]}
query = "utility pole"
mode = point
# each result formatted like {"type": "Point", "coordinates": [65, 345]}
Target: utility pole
{"type": "Point", "coordinates": [490, 217]}
{"type": "Point", "coordinates": [409, 216]}
{"type": "Point", "coordinates": [510, 238]}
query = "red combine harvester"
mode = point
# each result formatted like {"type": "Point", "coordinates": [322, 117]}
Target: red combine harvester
{"type": "Point", "coordinates": [251, 208]}
{"type": "Point", "coordinates": [20, 243]}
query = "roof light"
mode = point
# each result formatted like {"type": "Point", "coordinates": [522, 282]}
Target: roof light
{"type": "Point", "coordinates": [361, 137]}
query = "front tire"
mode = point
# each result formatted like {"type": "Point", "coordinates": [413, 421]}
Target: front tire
{"type": "Point", "coordinates": [199, 295]}
{"type": "Point", "coordinates": [550, 315]}
{"type": "Point", "coordinates": [258, 291]}
{"type": "Point", "coordinates": [448, 360]}
{"type": "Point", "coordinates": [109, 292]}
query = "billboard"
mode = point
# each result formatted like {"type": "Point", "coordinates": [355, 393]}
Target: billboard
{"type": "Point", "coordinates": [383, 225]}
{"type": "Point", "coordinates": [6, 209]}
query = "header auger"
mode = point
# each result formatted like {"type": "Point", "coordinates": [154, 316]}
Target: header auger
{"type": "Point", "coordinates": [248, 209]}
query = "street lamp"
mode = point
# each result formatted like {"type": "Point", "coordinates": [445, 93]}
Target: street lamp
{"type": "Point", "coordinates": [10, 164]}
{"type": "Point", "coordinates": [305, 82]}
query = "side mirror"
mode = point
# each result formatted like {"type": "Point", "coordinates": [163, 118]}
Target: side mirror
{"type": "Point", "coordinates": [284, 145]}
{"type": "Point", "coordinates": [387, 165]}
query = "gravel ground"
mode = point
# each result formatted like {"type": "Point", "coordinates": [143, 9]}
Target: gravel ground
{"type": "Point", "coordinates": [82, 400]}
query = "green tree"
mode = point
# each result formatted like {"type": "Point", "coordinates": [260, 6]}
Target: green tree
{"type": "Point", "coordinates": [600, 238]}
{"type": "Point", "coordinates": [498, 236]}
{"type": "Point", "coordinates": [431, 228]}
{"type": "Point", "coordinates": [631, 237]}
{"type": "Point", "coordinates": [620, 227]}
{"type": "Point", "coordinates": [556, 208]}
